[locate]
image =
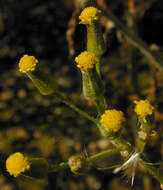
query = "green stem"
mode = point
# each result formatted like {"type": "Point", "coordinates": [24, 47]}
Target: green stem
{"type": "Point", "coordinates": [102, 155]}
{"type": "Point", "coordinates": [81, 112]}
{"type": "Point", "coordinates": [144, 133]}
{"type": "Point", "coordinates": [134, 39]}
{"type": "Point", "coordinates": [155, 172]}
{"type": "Point", "coordinates": [75, 108]}
{"type": "Point", "coordinates": [98, 68]}
{"type": "Point", "coordinates": [117, 141]}
{"type": "Point", "coordinates": [58, 167]}
{"type": "Point", "coordinates": [90, 160]}
{"type": "Point", "coordinates": [101, 105]}
{"type": "Point", "coordinates": [95, 41]}
{"type": "Point", "coordinates": [141, 145]}
{"type": "Point", "coordinates": [121, 143]}
{"type": "Point", "coordinates": [93, 89]}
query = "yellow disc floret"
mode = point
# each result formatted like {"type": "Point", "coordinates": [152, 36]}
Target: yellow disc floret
{"type": "Point", "coordinates": [112, 120]}
{"type": "Point", "coordinates": [86, 60]}
{"type": "Point", "coordinates": [17, 163]}
{"type": "Point", "coordinates": [89, 14]}
{"type": "Point", "coordinates": [27, 64]}
{"type": "Point", "coordinates": [143, 108]}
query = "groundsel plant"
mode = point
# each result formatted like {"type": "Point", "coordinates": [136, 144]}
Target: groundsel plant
{"type": "Point", "coordinates": [108, 121]}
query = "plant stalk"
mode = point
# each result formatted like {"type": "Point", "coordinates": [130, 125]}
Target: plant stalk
{"type": "Point", "coordinates": [75, 108]}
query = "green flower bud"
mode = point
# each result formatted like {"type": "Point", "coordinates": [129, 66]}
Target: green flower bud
{"type": "Point", "coordinates": [95, 41]}
{"type": "Point", "coordinates": [45, 84]}
{"type": "Point", "coordinates": [38, 169]}
{"type": "Point", "coordinates": [93, 89]}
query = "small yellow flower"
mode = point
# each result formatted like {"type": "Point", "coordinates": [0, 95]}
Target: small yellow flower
{"type": "Point", "coordinates": [86, 60]}
{"type": "Point", "coordinates": [27, 64]}
{"type": "Point", "coordinates": [89, 14]}
{"type": "Point", "coordinates": [112, 120]}
{"type": "Point", "coordinates": [17, 163]}
{"type": "Point", "coordinates": [143, 108]}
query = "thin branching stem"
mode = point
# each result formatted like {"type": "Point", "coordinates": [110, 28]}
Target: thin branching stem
{"type": "Point", "coordinates": [155, 172]}
{"type": "Point", "coordinates": [102, 155]}
{"type": "Point", "coordinates": [132, 38]}
{"type": "Point", "coordinates": [118, 142]}
{"type": "Point", "coordinates": [58, 167]}
{"type": "Point", "coordinates": [90, 160]}
{"type": "Point", "coordinates": [75, 108]}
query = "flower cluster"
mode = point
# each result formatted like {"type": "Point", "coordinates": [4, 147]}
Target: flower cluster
{"type": "Point", "coordinates": [27, 64]}
{"type": "Point", "coordinates": [17, 163]}
{"type": "Point", "coordinates": [112, 120]}
{"type": "Point", "coordinates": [89, 14]}
{"type": "Point", "coordinates": [143, 109]}
{"type": "Point", "coordinates": [86, 60]}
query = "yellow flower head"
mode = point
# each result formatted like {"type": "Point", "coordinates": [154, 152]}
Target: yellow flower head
{"type": "Point", "coordinates": [27, 64]}
{"type": "Point", "coordinates": [112, 120]}
{"type": "Point", "coordinates": [86, 60]}
{"type": "Point", "coordinates": [89, 14]}
{"type": "Point", "coordinates": [143, 108]}
{"type": "Point", "coordinates": [17, 163]}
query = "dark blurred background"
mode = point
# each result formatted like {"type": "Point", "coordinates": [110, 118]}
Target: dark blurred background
{"type": "Point", "coordinates": [42, 126]}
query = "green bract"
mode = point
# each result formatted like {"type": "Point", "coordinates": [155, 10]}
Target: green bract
{"type": "Point", "coordinates": [45, 84]}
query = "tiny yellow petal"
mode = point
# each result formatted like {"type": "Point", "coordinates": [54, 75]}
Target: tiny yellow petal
{"type": "Point", "coordinates": [89, 14]}
{"type": "Point", "coordinates": [112, 120]}
{"type": "Point", "coordinates": [143, 108]}
{"type": "Point", "coordinates": [27, 64]}
{"type": "Point", "coordinates": [86, 60]}
{"type": "Point", "coordinates": [17, 163]}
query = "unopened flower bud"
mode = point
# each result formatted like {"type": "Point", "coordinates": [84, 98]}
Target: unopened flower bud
{"type": "Point", "coordinates": [78, 165]}
{"type": "Point", "coordinates": [142, 135]}
{"type": "Point", "coordinates": [124, 153]}
{"type": "Point", "coordinates": [39, 168]}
